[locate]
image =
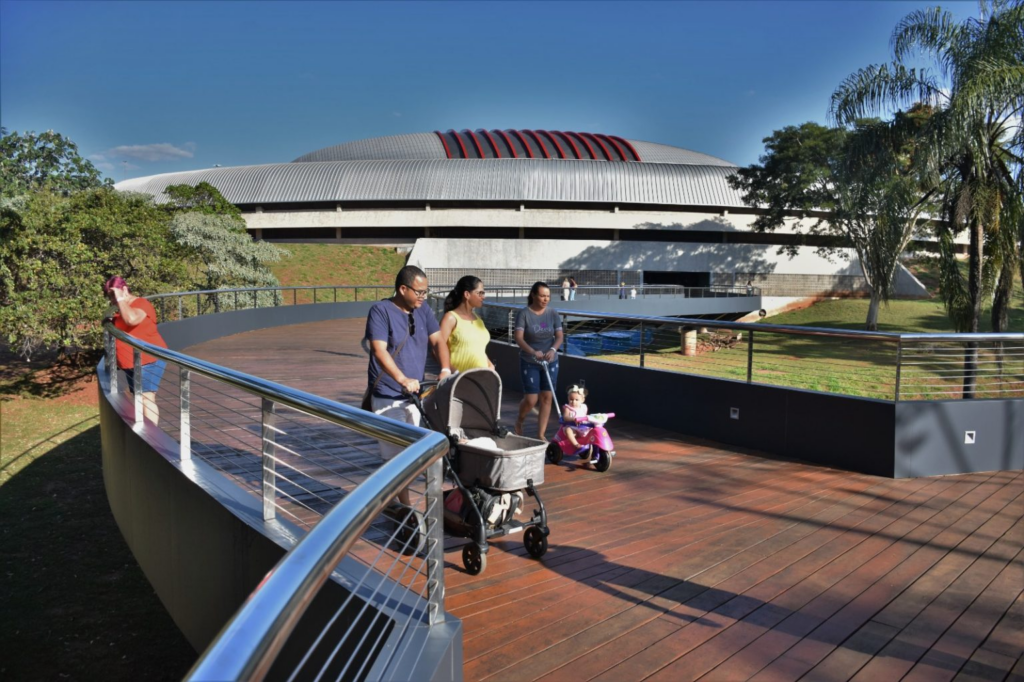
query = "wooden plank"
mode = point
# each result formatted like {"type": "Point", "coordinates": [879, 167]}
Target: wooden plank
{"type": "Point", "coordinates": [686, 559]}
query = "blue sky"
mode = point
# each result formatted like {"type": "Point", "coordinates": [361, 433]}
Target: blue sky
{"type": "Point", "coordinates": [168, 86]}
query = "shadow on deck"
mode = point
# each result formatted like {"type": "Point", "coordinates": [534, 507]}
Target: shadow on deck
{"type": "Point", "coordinates": [690, 560]}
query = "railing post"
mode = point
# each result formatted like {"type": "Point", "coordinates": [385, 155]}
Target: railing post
{"type": "Point", "coordinates": [137, 387]}
{"type": "Point", "coordinates": [110, 343]}
{"type": "Point", "coordinates": [269, 465]}
{"type": "Point", "coordinates": [355, 294]}
{"type": "Point", "coordinates": [184, 410]}
{"type": "Point", "coordinates": [236, 299]}
{"type": "Point", "coordinates": [335, 294]}
{"type": "Point", "coordinates": [179, 308]}
{"type": "Point", "coordinates": [216, 302]}
{"type": "Point", "coordinates": [199, 305]}
{"type": "Point", "coordinates": [899, 367]}
{"type": "Point", "coordinates": [750, 358]}
{"type": "Point", "coordinates": [435, 544]}
{"type": "Point", "coordinates": [641, 344]}
{"type": "Point", "coordinates": [314, 294]}
{"type": "Point", "coordinates": [163, 309]}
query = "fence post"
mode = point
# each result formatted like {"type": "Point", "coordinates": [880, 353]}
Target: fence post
{"type": "Point", "coordinates": [435, 544]}
{"type": "Point", "coordinates": [750, 358]}
{"type": "Point", "coordinates": [216, 302]}
{"type": "Point", "coordinates": [269, 465]}
{"type": "Point", "coordinates": [137, 387]}
{"type": "Point", "coordinates": [236, 299]}
{"type": "Point", "coordinates": [641, 344]}
{"type": "Point", "coordinates": [899, 368]}
{"type": "Point", "coordinates": [184, 410]}
{"type": "Point", "coordinates": [314, 294]}
{"type": "Point", "coordinates": [111, 347]}
{"type": "Point", "coordinates": [179, 307]}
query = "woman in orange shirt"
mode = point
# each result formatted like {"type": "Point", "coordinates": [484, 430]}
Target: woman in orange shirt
{"type": "Point", "coordinates": [137, 317]}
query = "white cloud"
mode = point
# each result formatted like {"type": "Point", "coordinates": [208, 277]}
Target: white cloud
{"type": "Point", "coordinates": [162, 151]}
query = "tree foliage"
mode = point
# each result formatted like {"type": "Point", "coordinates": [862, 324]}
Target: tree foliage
{"type": "Point", "coordinates": [854, 184]}
{"type": "Point", "coordinates": [970, 147]}
{"type": "Point", "coordinates": [223, 254]}
{"type": "Point", "coordinates": [55, 253]}
{"type": "Point", "coordinates": [203, 198]}
{"type": "Point", "coordinates": [62, 233]}
{"type": "Point", "coordinates": [31, 161]}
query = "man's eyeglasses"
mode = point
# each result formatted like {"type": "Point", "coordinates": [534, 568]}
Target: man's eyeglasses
{"type": "Point", "coordinates": [412, 325]}
{"type": "Point", "coordinates": [420, 293]}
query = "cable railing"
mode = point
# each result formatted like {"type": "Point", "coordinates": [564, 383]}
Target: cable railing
{"type": "Point", "coordinates": [312, 463]}
{"type": "Point", "coordinates": [182, 305]}
{"type": "Point", "coordinates": [639, 291]}
{"type": "Point", "coordinates": [880, 365]}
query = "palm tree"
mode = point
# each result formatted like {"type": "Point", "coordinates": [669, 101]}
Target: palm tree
{"type": "Point", "coordinates": [966, 153]}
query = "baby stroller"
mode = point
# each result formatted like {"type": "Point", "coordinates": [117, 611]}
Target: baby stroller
{"type": "Point", "coordinates": [488, 464]}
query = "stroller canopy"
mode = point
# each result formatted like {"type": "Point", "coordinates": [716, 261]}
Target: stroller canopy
{"type": "Point", "coordinates": [470, 400]}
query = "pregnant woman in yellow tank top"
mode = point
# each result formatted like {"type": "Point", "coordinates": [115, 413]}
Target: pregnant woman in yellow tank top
{"type": "Point", "coordinates": [464, 332]}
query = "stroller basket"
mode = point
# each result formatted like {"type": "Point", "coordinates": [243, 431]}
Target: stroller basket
{"type": "Point", "coordinates": [516, 461]}
{"type": "Point", "coordinates": [468, 406]}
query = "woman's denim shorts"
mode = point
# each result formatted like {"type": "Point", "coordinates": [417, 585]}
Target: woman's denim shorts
{"type": "Point", "coordinates": [534, 380]}
{"type": "Point", "coordinates": [151, 376]}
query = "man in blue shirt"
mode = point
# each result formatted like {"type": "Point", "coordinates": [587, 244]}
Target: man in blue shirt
{"type": "Point", "coordinates": [400, 329]}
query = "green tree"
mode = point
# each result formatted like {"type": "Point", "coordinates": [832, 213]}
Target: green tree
{"type": "Point", "coordinates": [49, 159]}
{"type": "Point", "coordinates": [856, 185]}
{"type": "Point", "coordinates": [204, 198]}
{"type": "Point", "coordinates": [224, 256]}
{"type": "Point", "coordinates": [978, 90]}
{"type": "Point", "coordinates": [55, 253]}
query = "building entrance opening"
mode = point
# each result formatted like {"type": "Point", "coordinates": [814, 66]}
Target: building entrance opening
{"type": "Point", "coordinates": [685, 279]}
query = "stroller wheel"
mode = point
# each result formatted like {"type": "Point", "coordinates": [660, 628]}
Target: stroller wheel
{"type": "Point", "coordinates": [604, 461]}
{"type": "Point", "coordinates": [535, 541]}
{"type": "Point", "coordinates": [473, 560]}
{"type": "Point", "coordinates": [554, 453]}
{"type": "Point", "coordinates": [410, 529]}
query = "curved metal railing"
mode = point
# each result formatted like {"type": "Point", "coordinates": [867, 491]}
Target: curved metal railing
{"type": "Point", "coordinates": [383, 566]}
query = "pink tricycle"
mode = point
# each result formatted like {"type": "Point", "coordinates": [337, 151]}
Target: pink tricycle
{"type": "Point", "coordinates": [596, 445]}
{"type": "Point", "coordinates": [593, 444]}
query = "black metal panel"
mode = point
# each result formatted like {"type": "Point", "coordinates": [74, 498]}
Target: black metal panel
{"type": "Point", "coordinates": [836, 431]}
{"type": "Point", "coordinates": [932, 438]}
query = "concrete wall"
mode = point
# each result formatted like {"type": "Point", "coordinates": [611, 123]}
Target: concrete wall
{"type": "Point", "coordinates": [568, 254]}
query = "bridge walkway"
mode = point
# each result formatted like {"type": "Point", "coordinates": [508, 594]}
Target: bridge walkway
{"type": "Point", "coordinates": [689, 560]}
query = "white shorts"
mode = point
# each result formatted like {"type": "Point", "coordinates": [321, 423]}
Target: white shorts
{"type": "Point", "coordinates": [399, 409]}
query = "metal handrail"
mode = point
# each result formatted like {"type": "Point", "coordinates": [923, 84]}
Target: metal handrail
{"type": "Point", "coordinates": [273, 610]}
{"type": "Point", "coordinates": [336, 413]}
{"type": "Point", "coordinates": [248, 645]}
{"type": "Point", "coordinates": [781, 328]}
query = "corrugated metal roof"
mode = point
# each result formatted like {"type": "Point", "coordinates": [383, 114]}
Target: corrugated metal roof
{"type": "Point", "coordinates": [461, 180]}
{"type": "Point", "coordinates": [414, 146]}
{"type": "Point", "coordinates": [429, 146]}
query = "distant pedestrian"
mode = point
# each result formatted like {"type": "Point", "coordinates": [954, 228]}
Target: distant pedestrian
{"type": "Point", "coordinates": [565, 289]}
{"type": "Point", "coordinates": [622, 291]}
{"type": "Point", "coordinates": [572, 289]}
{"type": "Point", "coordinates": [136, 317]}
{"type": "Point", "coordinates": [750, 287]}
{"type": "Point", "coordinates": [632, 292]}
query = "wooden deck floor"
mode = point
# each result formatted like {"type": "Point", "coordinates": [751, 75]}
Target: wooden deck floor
{"type": "Point", "coordinates": [689, 560]}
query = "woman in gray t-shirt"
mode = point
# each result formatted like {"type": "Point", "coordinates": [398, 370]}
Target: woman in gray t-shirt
{"type": "Point", "coordinates": [539, 336]}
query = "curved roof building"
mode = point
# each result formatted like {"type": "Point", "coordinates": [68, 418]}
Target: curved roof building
{"type": "Point", "coordinates": [475, 166]}
{"type": "Point", "coordinates": [519, 205]}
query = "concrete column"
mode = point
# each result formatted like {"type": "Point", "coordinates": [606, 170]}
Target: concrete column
{"type": "Point", "coordinates": [688, 340]}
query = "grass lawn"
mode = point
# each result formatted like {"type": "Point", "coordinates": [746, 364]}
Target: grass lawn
{"type": "Point", "coordinates": [319, 264]}
{"type": "Point", "coordinates": [847, 366]}
{"type": "Point", "coordinates": [75, 604]}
